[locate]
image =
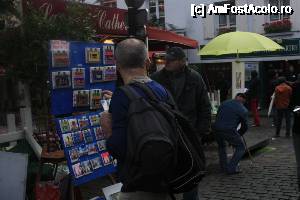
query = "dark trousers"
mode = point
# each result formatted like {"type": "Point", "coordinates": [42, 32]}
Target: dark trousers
{"type": "Point", "coordinates": [274, 116]}
{"type": "Point", "coordinates": [280, 114]}
{"type": "Point", "coordinates": [233, 138]}
{"type": "Point", "coordinates": [254, 110]}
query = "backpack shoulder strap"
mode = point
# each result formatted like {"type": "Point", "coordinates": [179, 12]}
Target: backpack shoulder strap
{"type": "Point", "coordinates": [130, 92]}
{"type": "Point", "coordinates": [152, 96]}
{"type": "Point", "coordinates": [149, 93]}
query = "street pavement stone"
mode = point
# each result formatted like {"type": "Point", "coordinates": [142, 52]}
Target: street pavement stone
{"type": "Point", "coordinates": [272, 175]}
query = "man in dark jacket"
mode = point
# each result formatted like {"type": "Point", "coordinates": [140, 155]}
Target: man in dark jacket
{"type": "Point", "coordinates": [295, 102]}
{"type": "Point", "coordinates": [187, 88]}
{"type": "Point", "coordinates": [253, 95]}
{"type": "Point", "coordinates": [189, 92]}
{"type": "Point", "coordinates": [230, 114]}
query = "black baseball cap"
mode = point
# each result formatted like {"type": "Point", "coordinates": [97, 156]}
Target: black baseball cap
{"type": "Point", "coordinates": [175, 53]}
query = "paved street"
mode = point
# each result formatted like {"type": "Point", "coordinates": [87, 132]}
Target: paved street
{"type": "Point", "coordinates": [272, 176]}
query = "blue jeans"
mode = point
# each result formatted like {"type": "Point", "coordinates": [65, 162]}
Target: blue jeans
{"type": "Point", "coordinates": [233, 138]}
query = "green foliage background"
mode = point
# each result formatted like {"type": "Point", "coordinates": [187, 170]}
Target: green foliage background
{"type": "Point", "coordinates": [24, 47]}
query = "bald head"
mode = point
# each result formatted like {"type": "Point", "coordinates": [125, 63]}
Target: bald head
{"type": "Point", "coordinates": [131, 53]}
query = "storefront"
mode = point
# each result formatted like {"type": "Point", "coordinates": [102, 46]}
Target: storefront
{"type": "Point", "coordinates": [267, 64]}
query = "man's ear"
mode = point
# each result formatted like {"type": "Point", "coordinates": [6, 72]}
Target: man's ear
{"type": "Point", "coordinates": [147, 63]}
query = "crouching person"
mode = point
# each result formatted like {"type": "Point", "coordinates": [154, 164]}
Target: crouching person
{"type": "Point", "coordinates": [230, 115]}
{"type": "Point", "coordinates": [145, 180]}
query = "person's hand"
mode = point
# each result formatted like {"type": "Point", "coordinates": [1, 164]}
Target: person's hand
{"type": "Point", "coordinates": [107, 94]}
{"type": "Point", "coordinates": [106, 123]}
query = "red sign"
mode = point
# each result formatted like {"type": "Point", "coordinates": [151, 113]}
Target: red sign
{"type": "Point", "coordinates": [109, 20]}
{"type": "Point", "coordinates": [106, 20]}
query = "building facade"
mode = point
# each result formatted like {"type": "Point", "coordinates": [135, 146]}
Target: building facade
{"type": "Point", "coordinates": [177, 17]}
{"type": "Point", "coordinates": [108, 3]}
{"type": "Point", "coordinates": [283, 29]}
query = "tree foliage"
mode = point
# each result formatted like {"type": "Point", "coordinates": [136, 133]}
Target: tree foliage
{"type": "Point", "coordinates": [24, 49]}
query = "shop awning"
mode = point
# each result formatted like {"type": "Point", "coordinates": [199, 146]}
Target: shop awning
{"type": "Point", "coordinates": [159, 39]}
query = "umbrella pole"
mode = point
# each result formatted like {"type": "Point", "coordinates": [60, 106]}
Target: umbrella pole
{"type": "Point", "coordinates": [237, 56]}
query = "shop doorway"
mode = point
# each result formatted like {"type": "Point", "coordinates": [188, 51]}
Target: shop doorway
{"type": "Point", "coordinates": [218, 76]}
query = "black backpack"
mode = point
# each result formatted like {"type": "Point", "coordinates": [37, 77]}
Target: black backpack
{"type": "Point", "coordinates": [158, 127]}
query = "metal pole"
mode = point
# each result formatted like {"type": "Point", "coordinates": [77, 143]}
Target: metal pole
{"type": "Point", "coordinates": [11, 126]}
{"type": "Point", "coordinates": [147, 43]}
{"type": "Point", "coordinates": [248, 151]}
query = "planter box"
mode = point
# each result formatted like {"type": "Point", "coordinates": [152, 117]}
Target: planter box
{"type": "Point", "coordinates": [278, 26]}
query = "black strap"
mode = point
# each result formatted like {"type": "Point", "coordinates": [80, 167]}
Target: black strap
{"type": "Point", "coordinates": [149, 93]}
{"type": "Point", "coordinates": [152, 96]}
{"type": "Point", "coordinates": [130, 92]}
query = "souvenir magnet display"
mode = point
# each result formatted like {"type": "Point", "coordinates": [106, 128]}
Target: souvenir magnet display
{"type": "Point", "coordinates": [87, 136]}
{"type": "Point", "coordinates": [95, 97]}
{"type": "Point", "coordinates": [64, 125]}
{"type": "Point", "coordinates": [105, 158]}
{"type": "Point", "coordinates": [94, 120]}
{"type": "Point", "coordinates": [81, 98]}
{"type": "Point", "coordinates": [92, 149]}
{"type": "Point", "coordinates": [96, 163]}
{"type": "Point", "coordinates": [92, 55]}
{"type": "Point", "coordinates": [73, 124]}
{"type": "Point", "coordinates": [98, 133]}
{"type": "Point", "coordinates": [61, 79]}
{"type": "Point", "coordinates": [78, 78]}
{"type": "Point", "coordinates": [86, 167]}
{"type": "Point", "coordinates": [60, 58]}
{"type": "Point", "coordinates": [83, 122]}
{"type": "Point", "coordinates": [96, 74]}
{"type": "Point", "coordinates": [68, 140]}
{"type": "Point", "coordinates": [74, 155]}
{"type": "Point", "coordinates": [110, 73]}
{"type": "Point", "coordinates": [101, 145]}
{"type": "Point", "coordinates": [77, 170]}
{"type": "Point", "coordinates": [108, 55]}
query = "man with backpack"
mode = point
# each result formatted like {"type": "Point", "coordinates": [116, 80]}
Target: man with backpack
{"type": "Point", "coordinates": [230, 114]}
{"type": "Point", "coordinates": [143, 135]}
{"type": "Point", "coordinates": [283, 93]}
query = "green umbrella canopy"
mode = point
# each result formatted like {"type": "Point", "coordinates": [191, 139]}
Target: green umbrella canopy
{"type": "Point", "coordinates": [238, 42]}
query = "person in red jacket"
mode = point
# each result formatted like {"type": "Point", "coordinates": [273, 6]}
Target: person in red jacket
{"type": "Point", "coordinates": [283, 93]}
{"type": "Point", "coordinates": [253, 95]}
